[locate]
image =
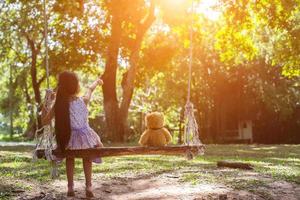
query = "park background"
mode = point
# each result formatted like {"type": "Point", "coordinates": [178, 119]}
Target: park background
{"type": "Point", "coordinates": [245, 67]}
{"type": "Point", "coordinates": [245, 89]}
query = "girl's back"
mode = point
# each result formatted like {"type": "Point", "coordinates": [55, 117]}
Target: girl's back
{"type": "Point", "coordinates": [82, 136]}
{"type": "Point", "coordinates": [78, 114]}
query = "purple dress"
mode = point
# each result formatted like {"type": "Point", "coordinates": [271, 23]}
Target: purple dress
{"type": "Point", "coordinates": [82, 135]}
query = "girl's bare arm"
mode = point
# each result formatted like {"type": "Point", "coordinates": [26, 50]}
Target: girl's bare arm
{"type": "Point", "coordinates": [91, 89]}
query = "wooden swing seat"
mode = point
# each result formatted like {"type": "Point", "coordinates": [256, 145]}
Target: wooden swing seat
{"type": "Point", "coordinates": [124, 151]}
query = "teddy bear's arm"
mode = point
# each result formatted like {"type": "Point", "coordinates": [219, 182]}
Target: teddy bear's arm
{"type": "Point", "coordinates": [144, 139]}
{"type": "Point", "coordinates": [167, 135]}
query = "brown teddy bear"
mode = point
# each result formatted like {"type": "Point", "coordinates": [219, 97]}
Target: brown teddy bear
{"type": "Point", "coordinates": [155, 134]}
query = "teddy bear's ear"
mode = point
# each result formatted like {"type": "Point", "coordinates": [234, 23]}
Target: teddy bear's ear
{"type": "Point", "coordinates": [162, 116]}
{"type": "Point", "coordinates": [159, 114]}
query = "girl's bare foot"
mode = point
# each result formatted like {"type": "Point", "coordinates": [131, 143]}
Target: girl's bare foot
{"type": "Point", "coordinates": [88, 192]}
{"type": "Point", "coordinates": [70, 192]}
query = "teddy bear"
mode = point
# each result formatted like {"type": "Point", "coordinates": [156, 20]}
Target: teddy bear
{"type": "Point", "coordinates": [155, 135]}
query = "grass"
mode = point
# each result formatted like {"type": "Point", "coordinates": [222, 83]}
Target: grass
{"type": "Point", "coordinates": [271, 162]}
{"type": "Point", "coordinates": [4, 137]}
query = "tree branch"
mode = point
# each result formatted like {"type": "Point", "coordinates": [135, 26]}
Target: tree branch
{"type": "Point", "coordinates": [141, 30]}
{"type": "Point", "coordinates": [129, 77]}
{"type": "Point", "coordinates": [144, 26]}
{"type": "Point", "coordinates": [41, 80]}
{"type": "Point", "coordinates": [29, 41]}
{"type": "Point", "coordinates": [40, 44]}
{"type": "Point", "coordinates": [27, 96]}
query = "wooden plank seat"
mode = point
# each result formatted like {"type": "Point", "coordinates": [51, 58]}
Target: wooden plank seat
{"type": "Point", "coordinates": [124, 151]}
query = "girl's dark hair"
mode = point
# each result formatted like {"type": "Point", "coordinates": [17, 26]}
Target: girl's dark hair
{"type": "Point", "coordinates": [68, 86]}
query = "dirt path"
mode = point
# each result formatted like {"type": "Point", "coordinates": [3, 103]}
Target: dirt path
{"type": "Point", "coordinates": [164, 186]}
{"type": "Point", "coordinates": [183, 182]}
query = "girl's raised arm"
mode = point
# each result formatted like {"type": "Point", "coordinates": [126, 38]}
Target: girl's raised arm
{"type": "Point", "coordinates": [91, 89]}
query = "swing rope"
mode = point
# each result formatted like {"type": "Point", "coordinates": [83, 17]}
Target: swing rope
{"type": "Point", "coordinates": [191, 131]}
{"type": "Point", "coordinates": [46, 43]}
{"type": "Point", "coordinates": [46, 140]}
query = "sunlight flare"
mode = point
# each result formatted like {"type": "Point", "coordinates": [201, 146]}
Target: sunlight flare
{"type": "Point", "coordinates": [208, 9]}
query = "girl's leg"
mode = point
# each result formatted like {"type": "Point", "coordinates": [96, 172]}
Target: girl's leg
{"type": "Point", "coordinates": [70, 165]}
{"type": "Point", "coordinates": [87, 168]}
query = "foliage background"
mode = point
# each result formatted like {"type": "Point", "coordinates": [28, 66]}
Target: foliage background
{"type": "Point", "coordinates": [246, 60]}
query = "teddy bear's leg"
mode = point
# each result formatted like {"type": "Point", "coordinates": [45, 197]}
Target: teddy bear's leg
{"type": "Point", "coordinates": [144, 139]}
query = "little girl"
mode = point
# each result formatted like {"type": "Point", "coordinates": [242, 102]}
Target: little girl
{"type": "Point", "coordinates": [71, 125]}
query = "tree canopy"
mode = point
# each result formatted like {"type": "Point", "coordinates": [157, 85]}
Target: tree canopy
{"type": "Point", "coordinates": [246, 58]}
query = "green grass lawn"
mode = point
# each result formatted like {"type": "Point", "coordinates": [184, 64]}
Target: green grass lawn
{"type": "Point", "coordinates": [4, 137]}
{"type": "Point", "coordinates": [276, 162]}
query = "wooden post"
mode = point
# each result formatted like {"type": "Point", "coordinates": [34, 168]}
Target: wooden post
{"type": "Point", "coordinates": [142, 127]}
{"type": "Point", "coordinates": [10, 103]}
{"type": "Point", "coordinates": [181, 118]}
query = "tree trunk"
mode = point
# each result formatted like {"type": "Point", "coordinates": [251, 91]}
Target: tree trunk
{"type": "Point", "coordinates": [36, 89]}
{"type": "Point", "coordinates": [111, 107]}
{"type": "Point", "coordinates": [34, 80]}
{"type": "Point", "coordinates": [10, 103]}
{"type": "Point", "coordinates": [31, 125]}
{"type": "Point", "coordinates": [116, 116]}
{"type": "Point", "coordinates": [128, 88]}
{"type": "Point", "coordinates": [129, 77]}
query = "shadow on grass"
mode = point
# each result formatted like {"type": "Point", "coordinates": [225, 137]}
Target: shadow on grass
{"type": "Point", "coordinates": [6, 191]}
{"type": "Point", "coordinates": [278, 161]}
